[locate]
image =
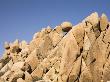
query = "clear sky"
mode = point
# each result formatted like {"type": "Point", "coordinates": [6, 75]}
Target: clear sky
{"type": "Point", "coordinates": [20, 19]}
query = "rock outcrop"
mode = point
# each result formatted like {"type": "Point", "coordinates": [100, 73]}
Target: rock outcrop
{"type": "Point", "coordinates": [67, 53]}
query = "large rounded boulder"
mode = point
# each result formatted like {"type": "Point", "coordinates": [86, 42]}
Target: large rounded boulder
{"type": "Point", "coordinates": [66, 26]}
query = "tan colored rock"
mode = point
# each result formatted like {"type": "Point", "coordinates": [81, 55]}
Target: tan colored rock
{"type": "Point", "coordinates": [87, 43]}
{"type": "Point", "coordinates": [16, 74]}
{"type": "Point", "coordinates": [46, 63]}
{"type": "Point", "coordinates": [42, 81]}
{"type": "Point", "coordinates": [2, 80]}
{"type": "Point", "coordinates": [90, 33]}
{"type": "Point", "coordinates": [4, 61]}
{"type": "Point", "coordinates": [20, 80]}
{"type": "Point", "coordinates": [26, 51]}
{"type": "Point", "coordinates": [48, 29]}
{"type": "Point", "coordinates": [103, 22]}
{"type": "Point", "coordinates": [93, 19]}
{"type": "Point", "coordinates": [78, 32]}
{"type": "Point", "coordinates": [36, 35]}
{"type": "Point", "coordinates": [58, 29]}
{"type": "Point", "coordinates": [7, 75]}
{"type": "Point", "coordinates": [10, 64]}
{"type": "Point", "coordinates": [50, 75]}
{"type": "Point", "coordinates": [57, 66]}
{"type": "Point", "coordinates": [28, 77]}
{"type": "Point", "coordinates": [15, 47]}
{"type": "Point", "coordinates": [45, 46]}
{"type": "Point", "coordinates": [23, 44]}
{"type": "Point", "coordinates": [15, 57]}
{"type": "Point", "coordinates": [34, 44]}
{"type": "Point", "coordinates": [32, 60]}
{"type": "Point", "coordinates": [70, 52]}
{"type": "Point", "coordinates": [5, 56]}
{"type": "Point", "coordinates": [18, 65]}
{"type": "Point", "coordinates": [106, 72]}
{"type": "Point", "coordinates": [37, 73]}
{"type": "Point", "coordinates": [4, 69]}
{"type": "Point", "coordinates": [97, 58]}
{"type": "Point", "coordinates": [15, 43]}
{"type": "Point", "coordinates": [55, 37]}
{"type": "Point", "coordinates": [96, 30]}
{"type": "Point", "coordinates": [66, 26]}
{"type": "Point", "coordinates": [6, 45]}
{"type": "Point", "coordinates": [92, 24]}
{"type": "Point", "coordinates": [106, 38]}
{"type": "Point", "coordinates": [43, 32]}
{"type": "Point", "coordinates": [64, 54]}
{"type": "Point", "coordinates": [86, 75]}
{"type": "Point", "coordinates": [1, 65]}
{"type": "Point", "coordinates": [75, 70]}
{"type": "Point", "coordinates": [53, 60]}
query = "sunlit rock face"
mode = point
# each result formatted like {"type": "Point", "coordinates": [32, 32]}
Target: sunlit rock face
{"type": "Point", "coordinates": [67, 53]}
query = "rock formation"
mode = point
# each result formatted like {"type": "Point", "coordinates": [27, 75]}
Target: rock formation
{"type": "Point", "coordinates": [67, 53]}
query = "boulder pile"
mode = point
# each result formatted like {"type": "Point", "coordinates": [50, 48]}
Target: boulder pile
{"type": "Point", "coordinates": [67, 53]}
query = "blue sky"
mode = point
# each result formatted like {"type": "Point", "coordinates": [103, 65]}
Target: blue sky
{"type": "Point", "coordinates": [20, 19]}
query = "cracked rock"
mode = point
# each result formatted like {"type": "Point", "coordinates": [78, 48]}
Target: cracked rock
{"type": "Point", "coordinates": [66, 53]}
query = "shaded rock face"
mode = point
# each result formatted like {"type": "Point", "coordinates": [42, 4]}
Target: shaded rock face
{"type": "Point", "coordinates": [82, 54]}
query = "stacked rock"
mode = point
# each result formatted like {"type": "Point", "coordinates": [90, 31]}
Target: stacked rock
{"type": "Point", "coordinates": [80, 55]}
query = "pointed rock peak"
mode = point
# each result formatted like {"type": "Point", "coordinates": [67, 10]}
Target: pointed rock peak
{"type": "Point", "coordinates": [93, 19]}
{"type": "Point", "coordinates": [23, 41]}
{"type": "Point", "coordinates": [104, 16]}
{"type": "Point", "coordinates": [48, 29]}
{"type": "Point", "coordinates": [66, 26]}
{"type": "Point", "coordinates": [43, 29]}
{"type": "Point", "coordinates": [6, 45]}
{"type": "Point", "coordinates": [95, 14]}
{"type": "Point", "coordinates": [103, 22]}
{"type": "Point", "coordinates": [16, 41]}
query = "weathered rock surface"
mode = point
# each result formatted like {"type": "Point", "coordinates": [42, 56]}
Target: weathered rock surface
{"type": "Point", "coordinates": [103, 22]}
{"type": "Point", "coordinates": [67, 53]}
{"type": "Point", "coordinates": [66, 26]}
